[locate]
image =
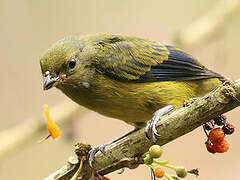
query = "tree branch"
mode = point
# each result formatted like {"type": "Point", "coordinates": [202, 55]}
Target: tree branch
{"type": "Point", "coordinates": [182, 120]}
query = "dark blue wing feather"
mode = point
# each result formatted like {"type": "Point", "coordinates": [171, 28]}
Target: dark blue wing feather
{"type": "Point", "coordinates": [179, 66]}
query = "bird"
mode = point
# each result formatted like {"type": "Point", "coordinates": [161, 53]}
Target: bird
{"type": "Point", "coordinates": [129, 78]}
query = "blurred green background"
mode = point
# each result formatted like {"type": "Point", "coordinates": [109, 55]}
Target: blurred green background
{"type": "Point", "coordinates": [28, 28]}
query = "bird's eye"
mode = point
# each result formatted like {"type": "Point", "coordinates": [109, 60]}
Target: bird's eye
{"type": "Point", "coordinates": [72, 63]}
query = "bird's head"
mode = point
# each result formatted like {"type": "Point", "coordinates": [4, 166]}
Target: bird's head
{"type": "Point", "coordinates": [66, 63]}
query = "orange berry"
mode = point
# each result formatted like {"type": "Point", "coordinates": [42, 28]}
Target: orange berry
{"type": "Point", "coordinates": [222, 146]}
{"type": "Point", "coordinates": [209, 147]}
{"type": "Point", "coordinates": [216, 135]}
{"type": "Point", "coordinates": [158, 172]}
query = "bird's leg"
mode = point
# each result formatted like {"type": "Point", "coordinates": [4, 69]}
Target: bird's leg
{"type": "Point", "coordinates": [150, 129]}
{"type": "Point", "coordinates": [101, 148]}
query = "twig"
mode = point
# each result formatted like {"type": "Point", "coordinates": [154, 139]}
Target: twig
{"type": "Point", "coordinates": [182, 120]}
{"type": "Point", "coordinates": [208, 25]}
{"type": "Point", "coordinates": [14, 138]}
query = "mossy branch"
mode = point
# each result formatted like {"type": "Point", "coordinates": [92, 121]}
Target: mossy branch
{"type": "Point", "coordinates": [182, 120]}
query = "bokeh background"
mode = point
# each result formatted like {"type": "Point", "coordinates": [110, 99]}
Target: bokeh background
{"type": "Point", "coordinates": [27, 28]}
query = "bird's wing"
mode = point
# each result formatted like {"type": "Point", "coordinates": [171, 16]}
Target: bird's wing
{"type": "Point", "coordinates": [139, 60]}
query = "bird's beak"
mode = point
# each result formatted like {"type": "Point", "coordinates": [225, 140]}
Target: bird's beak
{"type": "Point", "coordinates": [49, 82]}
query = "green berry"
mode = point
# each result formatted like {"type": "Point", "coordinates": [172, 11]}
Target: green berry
{"type": "Point", "coordinates": [181, 172]}
{"type": "Point", "coordinates": [148, 159]}
{"type": "Point", "coordinates": [155, 151]}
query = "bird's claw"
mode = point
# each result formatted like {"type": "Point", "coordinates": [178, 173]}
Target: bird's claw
{"type": "Point", "coordinates": [102, 148]}
{"type": "Point", "coordinates": [147, 129]}
{"type": "Point", "coordinates": [93, 152]}
{"type": "Point", "coordinates": [91, 155]}
{"type": "Point", "coordinates": [150, 129]}
{"type": "Point", "coordinates": [154, 129]}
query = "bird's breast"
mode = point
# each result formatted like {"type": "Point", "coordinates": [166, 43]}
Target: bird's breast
{"type": "Point", "coordinates": [132, 102]}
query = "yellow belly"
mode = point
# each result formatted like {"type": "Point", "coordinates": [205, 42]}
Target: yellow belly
{"type": "Point", "coordinates": [135, 103]}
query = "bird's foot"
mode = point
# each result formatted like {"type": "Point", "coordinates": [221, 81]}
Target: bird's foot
{"type": "Point", "coordinates": [93, 152]}
{"type": "Point", "coordinates": [150, 129]}
{"type": "Point", "coordinates": [101, 148]}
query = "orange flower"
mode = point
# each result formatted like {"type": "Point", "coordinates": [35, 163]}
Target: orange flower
{"type": "Point", "coordinates": [52, 127]}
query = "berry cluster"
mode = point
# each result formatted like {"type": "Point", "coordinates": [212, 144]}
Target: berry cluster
{"type": "Point", "coordinates": [155, 152]}
{"type": "Point", "coordinates": [216, 142]}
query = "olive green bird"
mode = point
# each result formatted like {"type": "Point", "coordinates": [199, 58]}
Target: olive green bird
{"type": "Point", "coordinates": [125, 77]}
